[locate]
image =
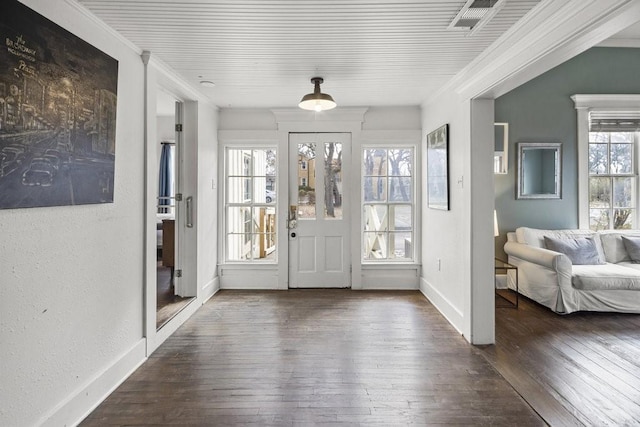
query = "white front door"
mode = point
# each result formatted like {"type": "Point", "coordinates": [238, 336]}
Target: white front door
{"type": "Point", "coordinates": [319, 200]}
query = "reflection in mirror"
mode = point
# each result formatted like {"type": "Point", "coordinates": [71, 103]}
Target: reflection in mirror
{"type": "Point", "coordinates": [501, 148]}
{"type": "Point", "coordinates": [539, 170]}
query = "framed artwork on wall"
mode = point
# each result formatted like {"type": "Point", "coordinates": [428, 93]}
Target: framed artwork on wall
{"type": "Point", "coordinates": [58, 102]}
{"type": "Point", "coordinates": [438, 168]}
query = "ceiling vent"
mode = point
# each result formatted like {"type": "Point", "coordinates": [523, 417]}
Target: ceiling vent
{"type": "Point", "coordinates": [474, 14]}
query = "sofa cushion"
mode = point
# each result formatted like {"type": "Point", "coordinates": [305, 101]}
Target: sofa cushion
{"type": "Point", "coordinates": [632, 245]}
{"type": "Point", "coordinates": [535, 237]}
{"type": "Point", "coordinates": [614, 250]}
{"type": "Point", "coordinates": [580, 250]}
{"type": "Point", "coordinates": [605, 277]}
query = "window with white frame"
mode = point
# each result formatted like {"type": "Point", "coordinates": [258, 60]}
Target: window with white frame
{"type": "Point", "coordinates": [388, 202]}
{"type": "Point", "coordinates": [250, 219]}
{"type": "Point", "coordinates": [612, 173]}
{"type": "Point", "coordinates": [608, 138]}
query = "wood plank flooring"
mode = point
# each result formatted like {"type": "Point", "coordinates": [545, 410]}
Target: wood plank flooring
{"type": "Point", "coordinates": [316, 357]}
{"type": "Point", "coordinates": [578, 369]}
{"type": "Point", "coordinates": [168, 304]}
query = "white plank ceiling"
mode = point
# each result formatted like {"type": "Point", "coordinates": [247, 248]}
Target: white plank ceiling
{"type": "Point", "coordinates": [262, 53]}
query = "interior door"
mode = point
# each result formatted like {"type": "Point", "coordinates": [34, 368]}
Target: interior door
{"type": "Point", "coordinates": [180, 208]}
{"type": "Point", "coordinates": [318, 225]}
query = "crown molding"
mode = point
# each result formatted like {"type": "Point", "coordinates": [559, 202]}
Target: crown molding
{"type": "Point", "coordinates": [551, 33]}
{"type": "Point", "coordinates": [612, 42]}
{"type": "Point", "coordinates": [103, 25]}
{"type": "Point", "coordinates": [172, 79]}
{"type": "Point", "coordinates": [606, 101]}
{"type": "Point", "coordinates": [344, 114]}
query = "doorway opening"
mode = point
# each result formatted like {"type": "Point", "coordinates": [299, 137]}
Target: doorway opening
{"type": "Point", "coordinates": [169, 298]}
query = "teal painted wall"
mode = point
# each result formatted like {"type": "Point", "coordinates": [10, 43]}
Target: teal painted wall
{"type": "Point", "coordinates": [541, 110]}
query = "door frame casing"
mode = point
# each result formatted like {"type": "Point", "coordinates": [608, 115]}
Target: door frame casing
{"type": "Point", "coordinates": [156, 78]}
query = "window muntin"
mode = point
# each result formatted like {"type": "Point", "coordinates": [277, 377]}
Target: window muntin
{"type": "Point", "coordinates": [388, 204]}
{"type": "Point", "coordinates": [250, 206]}
{"type": "Point", "coordinates": [612, 180]}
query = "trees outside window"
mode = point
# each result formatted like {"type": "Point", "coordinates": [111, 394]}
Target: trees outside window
{"type": "Point", "coordinates": [388, 204]}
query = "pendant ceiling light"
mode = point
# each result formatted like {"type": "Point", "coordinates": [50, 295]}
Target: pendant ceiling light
{"type": "Point", "coordinates": [317, 101]}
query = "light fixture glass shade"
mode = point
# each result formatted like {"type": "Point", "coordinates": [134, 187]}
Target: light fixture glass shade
{"type": "Point", "coordinates": [317, 101]}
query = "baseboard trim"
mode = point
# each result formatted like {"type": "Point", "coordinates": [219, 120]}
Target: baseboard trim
{"type": "Point", "coordinates": [387, 287]}
{"type": "Point", "coordinates": [80, 404]}
{"type": "Point", "coordinates": [210, 289]}
{"type": "Point", "coordinates": [444, 306]}
{"type": "Point", "coordinates": [250, 287]}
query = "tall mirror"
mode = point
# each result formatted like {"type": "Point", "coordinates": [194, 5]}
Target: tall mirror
{"type": "Point", "coordinates": [539, 170]}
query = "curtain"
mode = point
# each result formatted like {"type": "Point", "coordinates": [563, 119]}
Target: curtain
{"type": "Point", "coordinates": [166, 180]}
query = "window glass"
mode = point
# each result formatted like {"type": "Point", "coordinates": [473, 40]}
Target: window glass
{"type": "Point", "coordinates": [307, 181]}
{"type": "Point", "coordinates": [250, 204]}
{"type": "Point", "coordinates": [333, 180]}
{"type": "Point", "coordinates": [388, 197]}
{"type": "Point", "coordinates": [612, 180]}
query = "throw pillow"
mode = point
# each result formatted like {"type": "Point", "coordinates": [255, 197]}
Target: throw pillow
{"type": "Point", "coordinates": [632, 245]}
{"type": "Point", "coordinates": [580, 250]}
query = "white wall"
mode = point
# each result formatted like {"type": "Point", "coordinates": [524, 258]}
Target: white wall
{"type": "Point", "coordinates": [457, 245]}
{"type": "Point", "coordinates": [71, 286]}
{"type": "Point", "coordinates": [445, 234]}
{"type": "Point", "coordinates": [207, 200]}
{"type": "Point", "coordinates": [388, 125]}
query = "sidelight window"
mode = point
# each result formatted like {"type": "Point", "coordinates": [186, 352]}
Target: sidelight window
{"type": "Point", "coordinates": [388, 204]}
{"type": "Point", "coordinates": [250, 207]}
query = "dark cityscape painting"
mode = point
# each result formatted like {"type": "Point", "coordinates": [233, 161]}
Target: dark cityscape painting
{"type": "Point", "coordinates": [58, 98]}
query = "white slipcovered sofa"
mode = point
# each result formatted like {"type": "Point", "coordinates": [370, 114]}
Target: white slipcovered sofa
{"type": "Point", "coordinates": [550, 278]}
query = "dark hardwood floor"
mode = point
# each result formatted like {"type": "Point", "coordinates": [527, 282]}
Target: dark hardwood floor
{"type": "Point", "coordinates": [310, 357]}
{"type": "Point", "coordinates": [167, 303]}
{"type": "Point", "coordinates": [578, 369]}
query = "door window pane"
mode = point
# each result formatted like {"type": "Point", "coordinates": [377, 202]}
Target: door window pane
{"type": "Point", "coordinates": [333, 180]}
{"type": "Point", "coordinates": [307, 181]}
